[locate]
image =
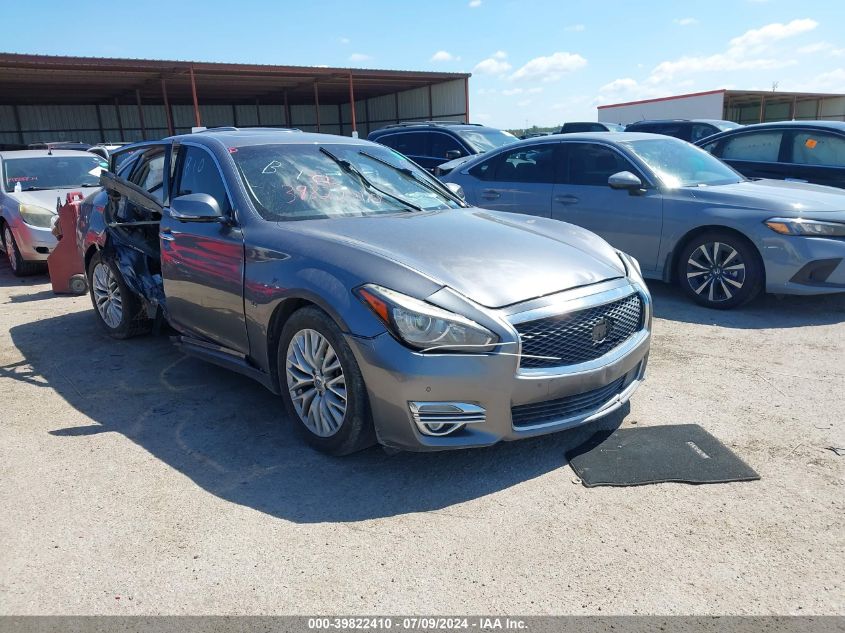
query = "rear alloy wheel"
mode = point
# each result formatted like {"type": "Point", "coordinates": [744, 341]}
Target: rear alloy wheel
{"type": "Point", "coordinates": [321, 384]}
{"type": "Point", "coordinates": [119, 311]}
{"type": "Point", "coordinates": [20, 268]}
{"type": "Point", "coordinates": [720, 270]}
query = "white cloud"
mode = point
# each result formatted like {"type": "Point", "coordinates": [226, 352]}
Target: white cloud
{"type": "Point", "coordinates": [359, 57]}
{"type": "Point", "coordinates": [575, 28]}
{"type": "Point", "coordinates": [685, 21]}
{"type": "Point", "coordinates": [534, 91]}
{"type": "Point", "coordinates": [619, 85]}
{"type": "Point", "coordinates": [444, 56]}
{"type": "Point", "coordinates": [344, 40]}
{"type": "Point", "coordinates": [523, 103]}
{"type": "Point", "coordinates": [486, 91]}
{"type": "Point", "coordinates": [831, 81]}
{"type": "Point", "coordinates": [474, 4]}
{"type": "Point", "coordinates": [495, 65]}
{"type": "Point", "coordinates": [822, 47]}
{"type": "Point", "coordinates": [550, 68]}
{"type": "Point", "coordinates": [743, 53]}
{"type": "Point", "coordinates": [512, 91]}
{"type": "Point", "coordinates": [757, 39]}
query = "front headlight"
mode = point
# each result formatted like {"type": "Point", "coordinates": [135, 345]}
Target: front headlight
{"type": "Point", "coordinates": [424, 326]}
{"type": "Point", "coordinates": [632, 266]}
{"type": "Point", "coordinates": [36, 216]}
{"type": "Point", "coordinates": [800, 226]}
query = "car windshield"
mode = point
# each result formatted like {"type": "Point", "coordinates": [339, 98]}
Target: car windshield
{"type": "Point", "coordinates": [483, 140]}
{"type": "Point", "coordinates": [678, 164]}
{"type": "Point", "coordinates": [52, 172]}
{"type": "Point", "coordinates": [300, 182]}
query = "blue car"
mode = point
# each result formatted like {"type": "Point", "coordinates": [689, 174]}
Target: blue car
{"type": "Point", "coordinates": [685, 215]}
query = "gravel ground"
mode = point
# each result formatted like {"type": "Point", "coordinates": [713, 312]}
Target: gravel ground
{"type": "Point", "coordinates": [134, 480]}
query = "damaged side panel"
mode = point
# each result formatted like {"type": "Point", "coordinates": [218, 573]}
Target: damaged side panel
{"type": "Point", "coordinates": [132, 216]}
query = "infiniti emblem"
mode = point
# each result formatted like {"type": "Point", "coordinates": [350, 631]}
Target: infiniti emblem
{"type": "Point", "coordinates": [601, 330]}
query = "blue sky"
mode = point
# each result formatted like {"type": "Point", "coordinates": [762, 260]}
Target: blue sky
{"type": "Point", "coordinates": [540, 62]}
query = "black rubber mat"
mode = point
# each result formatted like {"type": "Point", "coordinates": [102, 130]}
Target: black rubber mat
{"type": "Point", "coordinates": [684, 453]}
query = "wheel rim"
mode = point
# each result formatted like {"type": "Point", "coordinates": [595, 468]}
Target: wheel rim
{"type": "Point", "coordinates": [716, 271]}
{"type": "Point", "coordinates": [9, 243]}
{"type": "Point", "coordinates": [107, 295]}
{"type": "Point", "coordinates": [316, 382]}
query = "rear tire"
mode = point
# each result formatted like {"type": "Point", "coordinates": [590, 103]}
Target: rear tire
{"type": "Point", "coordinates": [119, 311]}
{"type": "Point", "coordinates": [20, 267]}
{"type": "Point", "coordinates": [321, 385]}
{"type": "Point", "coordinates": [721, 270]}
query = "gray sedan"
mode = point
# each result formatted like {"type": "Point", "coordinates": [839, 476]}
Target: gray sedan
{"type": "Point", "coordinates": [352, 283]}
{"type": "Point", "coordinates": [682, 213]}
{"type": "Point", "coordinates": [32, 182]}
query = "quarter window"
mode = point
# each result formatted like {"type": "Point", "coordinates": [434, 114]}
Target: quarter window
{"type": "Point", "coordinates": [409, 144]}
{"type": "Point", "coordinates": [758, 146]}
{"type": "Point", "coordinates": [443, 143]}
{"type": "Point", "coordinates": [812, 148]}
{"type": "Point", "coordinates": [199, 174]}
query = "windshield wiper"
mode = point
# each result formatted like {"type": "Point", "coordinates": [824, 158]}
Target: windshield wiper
{"type": "Point", "coordinates": [439, 190]}
{"type": "Point", "coordinates": [348, 167]}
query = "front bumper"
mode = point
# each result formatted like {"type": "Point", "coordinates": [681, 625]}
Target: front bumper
{"type": "Point", "coordinates": [803, 265]}
{"type": "Point", "coordinates": [34, 243]}
{"type": "Point", "coordinates": [397, 376]}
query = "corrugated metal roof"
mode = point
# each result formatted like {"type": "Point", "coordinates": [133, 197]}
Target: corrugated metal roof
{"type": "Point", "coordinates": [42, 79]}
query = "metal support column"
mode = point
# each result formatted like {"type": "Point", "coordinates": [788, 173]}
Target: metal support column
{"type": "Point", "coordinates": [317, 105]}
{"type": "Point", "coordinates": [197, 118]}
{"type": "Point", "coordinates": [352, 103]}
{"type": "Point", "coordinates": [167, 111]}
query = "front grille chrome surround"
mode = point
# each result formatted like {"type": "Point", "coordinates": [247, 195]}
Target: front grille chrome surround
{"type": "Point", "coordinates": [567, 338]}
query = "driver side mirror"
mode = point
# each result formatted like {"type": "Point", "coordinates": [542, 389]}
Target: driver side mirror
{"type": "Point", "coordinates": [452, 154]}
{"type": "Point", "coordinates": [456, 189]}
{"type": "Point", "coordinates": [625, 180]}
{"type": "Point", "coordinates": [195, 207]}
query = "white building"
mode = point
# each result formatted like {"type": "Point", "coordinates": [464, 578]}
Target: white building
{"type": "Point", "coordinates": [742, 106]}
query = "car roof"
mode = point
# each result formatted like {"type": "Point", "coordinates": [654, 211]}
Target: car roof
{"type": "Point", "coordinates": [829, 125]}
{"type": "Point", "coordinates": [262, 136]}
{"type": "Point", "coordinates": [614, 137]}
{"type": "Point", "coordinates": [44, 153]}
{"type": "Point", "coordinates": [432, 126]}
{"type": "Point", "coordinates": [682, 121]}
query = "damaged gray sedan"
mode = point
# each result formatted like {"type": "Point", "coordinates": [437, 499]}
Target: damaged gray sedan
{"type": "Point", "coordinates": [368, 295]}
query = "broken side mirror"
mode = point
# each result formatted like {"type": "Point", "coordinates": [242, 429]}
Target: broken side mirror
{"type": "Point", "coordinates": [196, 207]}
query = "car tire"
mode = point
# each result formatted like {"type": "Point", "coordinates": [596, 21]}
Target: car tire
{"type": "Point", "coordinates": [118, 310]}
{"type": "Point", "coordinates": [316, 371]}
{"type": "Point", "coordinates": [720, 270]}
{"type": "Point", "coordinates": [19, 266]}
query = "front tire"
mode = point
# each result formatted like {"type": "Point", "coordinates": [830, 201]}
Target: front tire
{"type": "Point", "coordinates": [119, 311]}
{"type": "Point", "coordinates": [720, 270]}
{"type": "Point", "coordinates": [19, 266]}
{"type": "Point", "coordinates": [321, 384]}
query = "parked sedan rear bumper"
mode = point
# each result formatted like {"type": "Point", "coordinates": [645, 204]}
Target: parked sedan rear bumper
{"type": "Point", "coordinates": [396, 377]}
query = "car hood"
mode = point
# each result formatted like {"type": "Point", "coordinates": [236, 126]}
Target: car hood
{"type": "Point", "coordinates": [787, 198]}
{"type": "Point", "coordinates": [495, 259]}
{"type": "Point", "coordinates": [46, 198]}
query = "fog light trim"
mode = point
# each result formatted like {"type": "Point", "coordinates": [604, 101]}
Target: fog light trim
{"type": "Point", "coordinates": [443, 418]}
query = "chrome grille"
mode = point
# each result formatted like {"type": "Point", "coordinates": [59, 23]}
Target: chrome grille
{"type": "Point", "coordinates": [567, 339]}
{"type": "Point", "coordinates": [579, 404]}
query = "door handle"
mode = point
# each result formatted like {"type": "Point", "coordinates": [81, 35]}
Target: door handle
{"type": "Point", "coordinates": [568, 199]}
{"type": "Point", "coordinates": [490, 194]}
{"type": "Point", "coordinates": [166, 235]}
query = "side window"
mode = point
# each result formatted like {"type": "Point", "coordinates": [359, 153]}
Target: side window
{"type": "Point", "coordinates": [198, 173]}
{"type": "Point", "coordinates": [592, 165]}
{"type": "Point", "coordinates": [409, 144]}
{"type": "Point", "coordinates": [756, 146]}
{"type": "Point", "coordinates": [700, 131]}
{"type": "Point", "coordinates": [532, 163]}
{"type": "Point", "coordinates": [149, 174]}
{"type": "Point", "coordinates": [485, 170]}
{"type": "Point", "coordinates": [813, 148]}
{"type": "Point", "coordinates": [443, 143]}
{"type": "Point", "coordinates": [711, 147]}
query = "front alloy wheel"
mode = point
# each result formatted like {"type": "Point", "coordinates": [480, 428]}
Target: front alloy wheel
{"type": "Point", "coordinates": [107, 297]}
{"type": "Point", "coordinates": [322, 385]}
{"type": "Point", "coordinates": [719, 270]}
{"type": "Point", "coordinates": [316, 383]}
